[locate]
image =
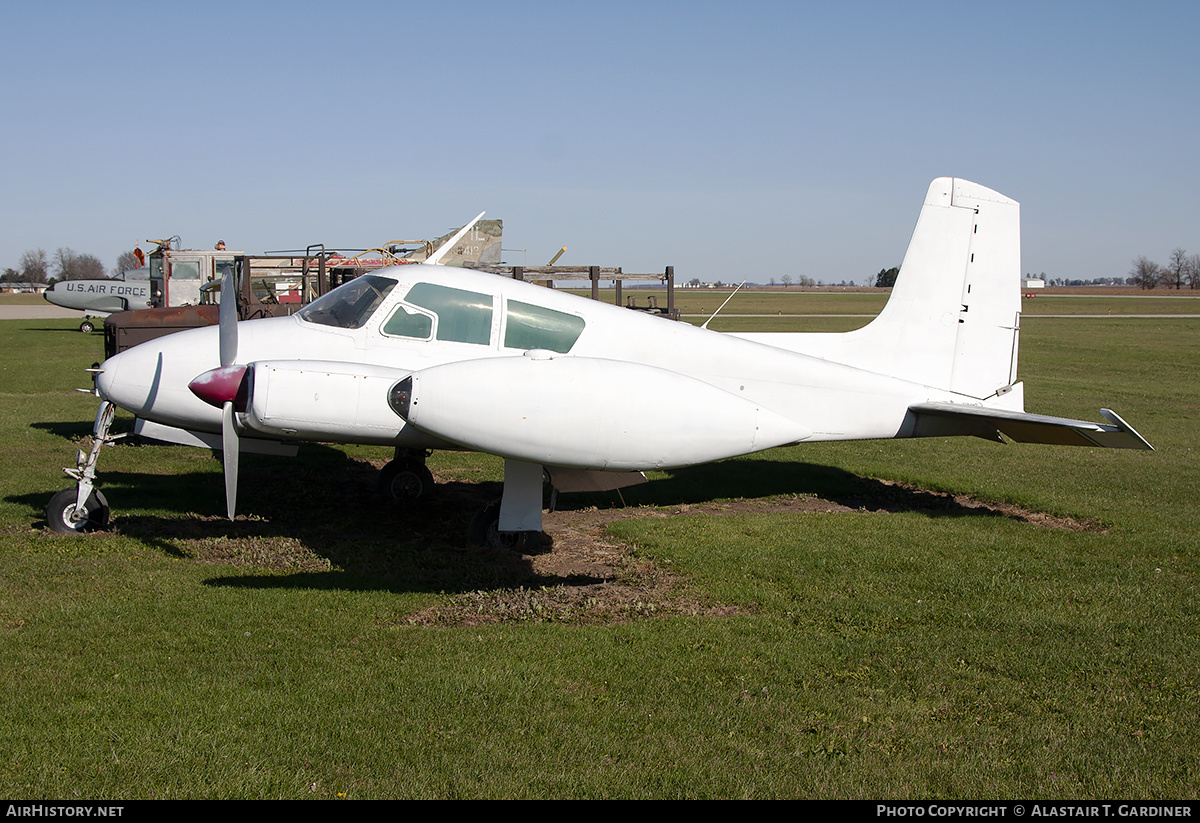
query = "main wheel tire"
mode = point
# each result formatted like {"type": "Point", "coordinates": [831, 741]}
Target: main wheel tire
{"type": "Point", "coordinates": [87, 327]}
{"type": "Point", "coordinates": [60, 513]}
{"type": "Point", "coordinates": [406, 482]}
{"type": "Point", "coordinates": [484, 531]}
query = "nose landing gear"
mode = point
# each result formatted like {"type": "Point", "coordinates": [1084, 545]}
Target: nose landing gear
{"type": "Point", "coordinates": [83, 508]}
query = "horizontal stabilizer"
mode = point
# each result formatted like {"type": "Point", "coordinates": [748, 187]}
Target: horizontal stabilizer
{"type": "Point", "coordinates": [937, 419]}
{"type": "Point", "coordinates": [583, 480]}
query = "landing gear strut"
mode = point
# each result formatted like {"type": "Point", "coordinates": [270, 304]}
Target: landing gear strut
{"type": "Point", "coordinates": [83, 508]}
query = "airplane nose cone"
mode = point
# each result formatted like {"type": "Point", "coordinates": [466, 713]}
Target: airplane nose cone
{"type": "Point", "coordinates": [131, 380]}
{"type": "Point", "coordinates": [219, 386]}
{"type": "Point", "coordinates": [151, 380]}
{"type": "Point", "coordinates": [106, 378]}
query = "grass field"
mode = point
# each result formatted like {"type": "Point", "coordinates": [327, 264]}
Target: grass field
{"type": "Point", "coordinates": [866, 303]}
{"type": "Point", "coordinates": [22, 300]}
{"type": "Point", "coordinates": [886, 648]}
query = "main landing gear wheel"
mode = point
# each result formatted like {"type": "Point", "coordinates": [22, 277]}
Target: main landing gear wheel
{"type": "Point", "coordinates": [87, 327]}
{"type": "Point", "coordinates": [405, 482]}
{"type": "Point", "coordinates": [484, 531]}
{"type": "Point", "coordinates": [63, 518]}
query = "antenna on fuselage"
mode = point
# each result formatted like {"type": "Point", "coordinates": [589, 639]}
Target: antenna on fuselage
{"type": "Point", "coordinates": [727, 299]}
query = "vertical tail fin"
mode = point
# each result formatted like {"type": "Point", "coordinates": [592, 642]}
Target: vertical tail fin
{"type": "Point", "coordinates": [952, 320]}
{"type": "Point", "coordinates": [953, 317]}
{"type": "Point", "coordinates": [477, 242]}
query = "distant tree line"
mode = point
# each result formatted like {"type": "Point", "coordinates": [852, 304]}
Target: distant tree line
{"type": "Point", "coordinates": [1076, 281]}
{"type": "Point", "coordinates": [66, 264]}
{"type": "Point", "coordinates": [1180, 268]}
{"type": "Point", "coordinates": [1146, 274]}
{"type": "Point", "coordinates": [802, 281]}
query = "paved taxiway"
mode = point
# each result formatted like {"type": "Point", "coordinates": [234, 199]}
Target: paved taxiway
{"type": "Point", "coordinates": [46, 312]}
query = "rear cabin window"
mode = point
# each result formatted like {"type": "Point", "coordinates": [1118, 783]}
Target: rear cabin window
{"type": "Point", "coordinates": [536, 327]}
{"type": "Point", "coordinates": [462, 316]}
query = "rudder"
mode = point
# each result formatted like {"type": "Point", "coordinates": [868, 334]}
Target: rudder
{"type": "Point", "coordinates": [953, 316]}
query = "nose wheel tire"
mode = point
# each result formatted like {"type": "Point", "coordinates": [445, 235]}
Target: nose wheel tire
{"type": "Point", "coordinates": [64, 519]}
{"type": "Point", "coordinates": [87, 327]}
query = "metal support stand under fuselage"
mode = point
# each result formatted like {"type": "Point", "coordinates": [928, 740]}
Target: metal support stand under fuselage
{"type": "Point", "coordinates": [521, 505]}
{"type": "Point", "coordinates": [514, 521]}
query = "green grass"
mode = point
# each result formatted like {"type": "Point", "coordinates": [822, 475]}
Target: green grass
{"type": "Point", "coordinates": [703, 302]}
{"type": "Point", "coordinates": [1093, 304]}
{"type": "Point", "coordinates": [916, 654]}
{"type": "Point", "coordinates": [22, 300]}
{"type": "Point", "coordinates": [700, 303]}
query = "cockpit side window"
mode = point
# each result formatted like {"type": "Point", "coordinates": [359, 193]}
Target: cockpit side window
{"type": "Point", "coordinates": [462, 316]}
{"type": "Point", "coordinates": [406, 322]}
{"type": "Point", "coordinates": [537, 327]}
{"type": "Point", "coordinates": [350, 305]}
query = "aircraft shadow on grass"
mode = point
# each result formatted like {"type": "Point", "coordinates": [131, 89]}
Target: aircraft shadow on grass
{"type": "Point", "coordinates": [66, 429]}
{"type": "Point", "coordinates": [322, 509]}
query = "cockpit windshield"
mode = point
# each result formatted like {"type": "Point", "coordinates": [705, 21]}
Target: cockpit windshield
{"type": "Point", "coordinates": [350, 305]}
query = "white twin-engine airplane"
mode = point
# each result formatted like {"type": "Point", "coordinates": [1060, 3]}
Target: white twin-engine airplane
{"type": "Point", "coordinates": [426, 356]}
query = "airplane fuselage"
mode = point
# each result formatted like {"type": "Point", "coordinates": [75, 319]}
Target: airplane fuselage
{"type": "Point", "coordinates": [431, 357]}
{"type": "Point", "coordinates": [100, 297]}
{"type": "Point", "coordinates": [326, 376]}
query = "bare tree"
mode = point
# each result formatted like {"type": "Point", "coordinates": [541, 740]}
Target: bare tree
{"type": "Point", "coordinates": [126, 261]}
{"type": "Point", "coordinates": [1175, 270]}
{"type": "Point", "coordinates": [1145, 273]}
{"type": "Point", "coordinates": [34, 267]}
{"type": "Point", "coordinates": [786, 280]}
{"type": "Point", "coordinates": [1193, 271]}
{"type": "Point", "coordinates": [69, 265]}
{"type": "Point", "coordinates": [89, 267]}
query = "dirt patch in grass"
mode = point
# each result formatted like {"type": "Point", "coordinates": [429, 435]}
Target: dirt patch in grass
{"type": "Point", "coordinates": [347, 536]}
{"type": "Point", "coordinates": [600, 581]}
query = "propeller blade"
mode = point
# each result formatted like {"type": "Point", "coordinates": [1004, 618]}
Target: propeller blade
{"type": "Point", "coordinates": [228, 318]}
{"type": "Point", "coordinates": [229, 448]}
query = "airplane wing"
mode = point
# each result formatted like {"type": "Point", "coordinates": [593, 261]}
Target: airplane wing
{"type": "Point", "coordinates": [937, 419]}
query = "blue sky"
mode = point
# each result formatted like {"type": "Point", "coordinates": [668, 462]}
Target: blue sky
{"type": "Point", "coordinates": [732, 141]}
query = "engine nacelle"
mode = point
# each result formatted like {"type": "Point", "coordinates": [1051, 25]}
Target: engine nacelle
{"type": "Point", "coordinates": [587, 413]}
{"type": "Point", "coordinates": [325, 400]}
